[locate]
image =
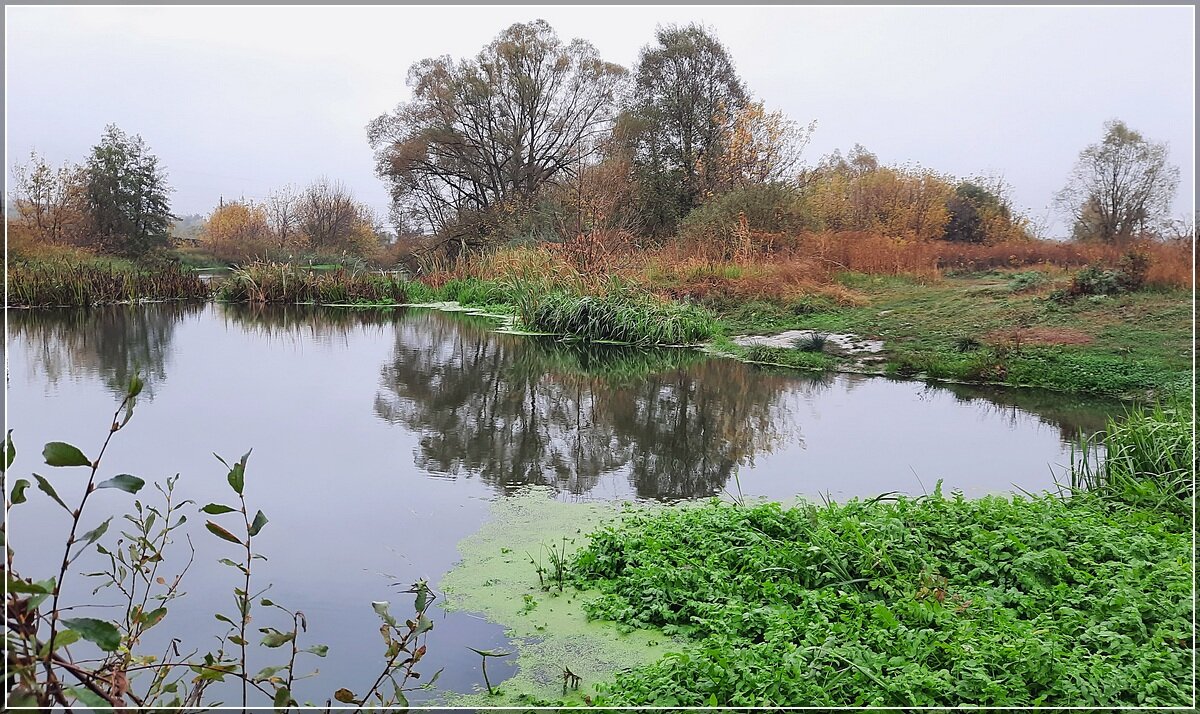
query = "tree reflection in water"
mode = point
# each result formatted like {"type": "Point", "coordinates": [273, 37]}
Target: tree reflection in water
{"type": "Point", "coordinates": [112, 342]}
{"type": "Point", "coordinates": [516, 411]}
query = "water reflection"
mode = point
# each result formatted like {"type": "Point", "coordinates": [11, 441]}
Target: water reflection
{"type": "Point", "coordinates": [1074, 415]}
{"type": "Point", "coordinates": [112, 342]}
{"type": "Point", "coordinates": [516, 411]}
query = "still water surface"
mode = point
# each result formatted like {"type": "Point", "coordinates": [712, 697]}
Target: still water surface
{"type": "Point", "coordinates": [380, 437]}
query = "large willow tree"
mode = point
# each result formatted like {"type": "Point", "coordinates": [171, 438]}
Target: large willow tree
{"type": "Point", "coordinates": [482, 136]}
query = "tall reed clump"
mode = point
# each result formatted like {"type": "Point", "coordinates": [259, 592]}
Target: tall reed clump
{"type": "Point", "coordinates": [286, 283]}
{"type": "Point", "coordinates": [617, 315]}
{"type": "Point", "coordinates": [1149, 459]}
{"type": "Point", "coordinates": [82, 284]}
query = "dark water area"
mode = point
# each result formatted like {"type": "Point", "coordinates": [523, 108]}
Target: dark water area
{"type": "Point", "coordinates": [380, 437]}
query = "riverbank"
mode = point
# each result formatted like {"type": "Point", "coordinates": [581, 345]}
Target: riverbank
{"type": "Point", "coordinates": [935, 601]}
{"type": "Point", "coordinates": [1011, 328]}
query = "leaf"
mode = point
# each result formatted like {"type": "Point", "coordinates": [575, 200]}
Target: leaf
{"type": "Point", "coordinates": [318, 650]}
{"type": "Point", "coordinates": [94, 534]}
{"type": "Point", "coordinates": [152, 618]}
{"type": "Point", "coordinates": [45, 487]}
{"type": "Point", "coordinates": [16, 585]}
{"type": "Point", "coordinates": [424, 624]}
{"type": "Point", "coordinates": [257, 525]}
{"type": "Point", "coordinates": [381, 608]}
{"type": "Point", "coordinates": [277, 639]}
{"type": "Point", "coordinates": [216, 509]}
{"type": "Point", "coordinates": [221, 533]}
{"type": "Point", "coordinates": [61, 639]}
{"type": "Point", "coordinates": [237, 474]}
{"type": "Point", "coordinates": [58, 453]}
{"type": "Point", "coordinates": [104, 634]}
{"type": "Point", "coordinates": [135, 386]}
{"type": "Point", "coordinates": [91, 699]}
{"type": "Point", "coordinates": [401, 700]}
{"type": "Point", "coordinates": [422, 599]}
{"type": "Point", "coordinates": [10, 451]}
{"type": "Point", "coordinates": [345, 696]}
{"type": "Point", "coordinates": [283, 698]}
{"type": "Point", "coordinates": [18, 491]}
{"type": "Point", "coordinates": [490, 653]}
{"type": "Point", "coordinates": [125, 482]}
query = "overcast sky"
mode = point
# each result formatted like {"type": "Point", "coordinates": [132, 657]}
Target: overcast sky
{"type": "Point", "coordinates": [238, 101]}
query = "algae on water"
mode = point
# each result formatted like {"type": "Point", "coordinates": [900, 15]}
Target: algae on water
{"type": "Point", "coordinates": [549, 630]}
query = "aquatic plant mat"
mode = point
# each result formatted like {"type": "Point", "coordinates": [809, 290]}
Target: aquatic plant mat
{"type": "Point", "coordinates": [933, 601]}
{"type": "Point", "coordinates": [549, 628]}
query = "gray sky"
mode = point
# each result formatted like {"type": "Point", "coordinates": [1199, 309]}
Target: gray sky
{"type": "Point", "coordinates": [238, 101]}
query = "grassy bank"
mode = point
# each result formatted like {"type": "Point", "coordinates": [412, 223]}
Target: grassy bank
{"type": "Point", "coordinates": [290, 284]}
{"type": "Point", "coordinates": [81, 281]}
{"type": "Point", "coordinates": [992, 328]}
{"type": "Point", "coordinates": [1082, 601]}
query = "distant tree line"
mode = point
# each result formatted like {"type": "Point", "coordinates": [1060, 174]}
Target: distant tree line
{"type": "Point", "coordinates": [537, 139]}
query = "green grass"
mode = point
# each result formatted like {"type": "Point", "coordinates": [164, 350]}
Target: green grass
{"type": "Point", "coordinates": [616, 316]}
{"type": "Point", "coordinates": [936, 601]}
{"type": "Point", "coordinates": [1140, 341]}
{"type": "Point", "coordinates": [788, 357]}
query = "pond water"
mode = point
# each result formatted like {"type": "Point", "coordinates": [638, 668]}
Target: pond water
{"type": "Point", "coordinates": [379, 438]}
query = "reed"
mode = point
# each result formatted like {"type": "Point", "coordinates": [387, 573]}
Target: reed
{"type": "Point", "coordinates": [285, 283]}
{"type": "Point", "coordinates": [68, 283]}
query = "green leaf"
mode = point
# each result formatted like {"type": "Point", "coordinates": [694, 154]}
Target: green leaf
{"type": "Point", "coordinates": [18, 491]}
{"type": "Point", "coordinates": [45, 487]}
{"type": "Point", "coordinates": [422, 599]}
{"type": "Point", "coordinates": [381, 608]}
{"type": "Point", "coordinates": [58, 453]}
{"type": "Point", "coordinates": [424, 624]}
{"type": "Point", "coordinates": [216, 509]}
{"type": "Point", "coordinates": [10, 451]}
{"type": "Point", "coordinates": [275, 638]}
{"type": "Point", "coordinates": [152, 618]}
{"type": "Point", "coordinates": [490, 653]}
{"type": "Point", "coordinates": [237, 474]}
{"type": "Point", "coordinates": [345, 696]}
{"type": "Point", "coordinates": [125, 482]}
{"type": "Point", "coordinates": [16, 585]}
{"type": "Point", "coordinates": [257, 525]}
{"type": "Point", "coordinates": [61, 639]}
{"type": "Point", "coordinates": [401, 700]}
{"type": "Point", "coordinates": [221, 533]}
{"type": "Point", "coordinates": [91, 699]}
{"type": "Point", "coordinates": [318, 650]}
{"type": "Point", "coordinates": [94, 534]}
{"type": "Point", "coordinates": [283, 698]}
{"type": "Point", "coordinates": [104, 634]}
{"type": "Point", "coordinates": [135, 386]}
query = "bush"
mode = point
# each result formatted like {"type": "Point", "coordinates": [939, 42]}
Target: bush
{"type": "Point", "coordinates": [767, 208]}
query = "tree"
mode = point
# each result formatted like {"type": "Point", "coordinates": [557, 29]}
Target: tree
{"type": "Point", "coordinates": [762, 147]}
{"type": "Point", "coordinates": [127, 194]}
{"type": "Point", "coordinates": [49, 201]}
{"type": "Point", "coordinates": [236, 231]}
{"type": "Point", "coordinates": [283, 213]}
{"type": "Point", "coordinates": [333, 220]}
{"type": "Point", "coordinates": [481, 137]}
{"type": "Point", "coordinates": [1119, 188]}
{"type": "Point", "coordinates": [687, 96]}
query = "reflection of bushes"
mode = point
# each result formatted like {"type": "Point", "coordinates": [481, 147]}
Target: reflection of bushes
{"type": "Point", "coordinates": [113, 342]}
{"type": "Point", "coordinates": [308, 319]}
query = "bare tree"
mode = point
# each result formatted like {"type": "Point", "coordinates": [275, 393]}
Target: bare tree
{"type": "Point", "coordinates": [485, 135]}
{"type": "Point", "coordinates": [50, 201]}
{"type": "Point", "coordinates": [329, 215]}
{"type": "Point", "coordinates": [1119, 188]}
{"type": "Point", "coordinates": [283, 213]}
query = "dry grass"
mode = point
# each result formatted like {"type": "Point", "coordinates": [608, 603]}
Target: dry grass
{"type": "Point", "coordinates": [780, 267]}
